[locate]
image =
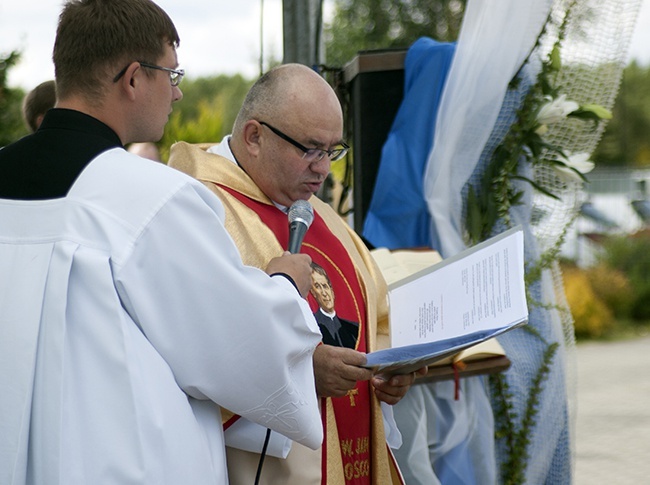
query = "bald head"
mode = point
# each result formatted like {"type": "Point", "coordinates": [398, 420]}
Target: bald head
{"type": "Point", "coordinates": [289, 111]}
{"type": "Point", "coordinates": [285, 91]}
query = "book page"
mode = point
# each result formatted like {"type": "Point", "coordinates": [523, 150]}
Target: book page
{"type": "Point", "coordinates": [483, 350]}
{"type": "Point", "coordinates": [479, 290]}
{"type": "Point", "coordinates": [489, 348]}
{"type": "Point", "coordinates": [454, 305]}
{"type": "Point", "coordinates": [398, 264]}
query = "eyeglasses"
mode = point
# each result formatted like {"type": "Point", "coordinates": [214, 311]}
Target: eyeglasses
{"type": "Point", "coordinates": [311, 154]}
{"type": "Point", "coordinates": [175, 75]}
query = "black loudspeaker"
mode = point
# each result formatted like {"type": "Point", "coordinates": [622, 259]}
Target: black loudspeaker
{"type": "Point", "coordinates": [375, 83]}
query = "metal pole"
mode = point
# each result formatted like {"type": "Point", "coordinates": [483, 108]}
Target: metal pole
{"type": "Point", "coordinates": [302, 27]}
{"type": "Point", "coordinates": [261, 37]}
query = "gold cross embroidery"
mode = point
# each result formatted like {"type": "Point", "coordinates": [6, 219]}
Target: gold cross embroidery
{"type": "Point", "coordinates": [351, 393]}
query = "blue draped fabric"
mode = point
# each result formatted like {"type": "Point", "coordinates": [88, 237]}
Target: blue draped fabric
{"type": "Point", "coordinates": [445, 440]}
{"type": "Point", "coordinates": [398, 216]}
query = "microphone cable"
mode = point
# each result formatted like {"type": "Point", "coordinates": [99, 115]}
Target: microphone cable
{"type": "Point", "coordinates": [259, 466]}
{"type": "Point", "coordinates": [301, 215]}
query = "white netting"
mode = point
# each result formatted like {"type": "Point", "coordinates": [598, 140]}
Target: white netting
{"type": "Point", "coordinates": [594, 51]}
{"type": "Point", "coordinates": [597, 40]}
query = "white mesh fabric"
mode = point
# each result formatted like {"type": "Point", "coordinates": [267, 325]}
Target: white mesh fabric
{"type": "Point", "coordinates": [475, 113]}
{"type": "Point", "coordinates": [495, 38]}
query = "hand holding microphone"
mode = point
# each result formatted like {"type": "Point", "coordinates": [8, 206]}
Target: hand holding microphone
{"type": "Point", "coordinates": [292, 263]}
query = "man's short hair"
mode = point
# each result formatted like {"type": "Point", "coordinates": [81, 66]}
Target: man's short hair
{"type": "Point", "coordinates": [37, 102]}
{"type": "Point", "coordinates": [260, 100]}
{"type": "Point", "coordinates": [317, 268]}
{"type": "Point", "coordinates": [94, 37]}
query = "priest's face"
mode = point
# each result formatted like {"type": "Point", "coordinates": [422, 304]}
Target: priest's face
{"type": "Point", "coordinates": [293, 161]}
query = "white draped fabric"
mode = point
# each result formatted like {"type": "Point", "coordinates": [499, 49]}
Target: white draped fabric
{"type": "Point", "coordinates": [495, 38]}
{"type": "Point", "coordinates": [125, 314]}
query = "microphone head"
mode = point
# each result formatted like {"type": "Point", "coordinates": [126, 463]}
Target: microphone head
{"type": "Point", "coordinates": [301, 211]}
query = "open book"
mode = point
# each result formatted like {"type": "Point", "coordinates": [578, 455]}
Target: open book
{"type": "Point", "coordinates": [446, 312]}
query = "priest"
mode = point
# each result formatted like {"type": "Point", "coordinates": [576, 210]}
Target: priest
{"type": "Point", "coordinates": [286, 134]}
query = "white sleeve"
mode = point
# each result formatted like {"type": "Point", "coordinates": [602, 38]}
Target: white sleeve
{"type": "Point", "coordinates": [229, 332]}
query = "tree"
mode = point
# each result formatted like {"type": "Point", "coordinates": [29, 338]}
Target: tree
{"type": "Point", "coordinates": [625, 141]}
{"type": "Point", "coordinates": [380, 24]}
{"type": "Point", "coordinates": [12, 126]}
{"type": "Point", "coordinates": [207, 111]}
{"type": "Point", "coordinates": [360, 25]}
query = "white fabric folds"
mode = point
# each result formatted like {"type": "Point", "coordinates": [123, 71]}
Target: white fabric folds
{"type": "Point", "coordinates": [124, 319]}
{"type": "Point", "coordinates": [495, 38]}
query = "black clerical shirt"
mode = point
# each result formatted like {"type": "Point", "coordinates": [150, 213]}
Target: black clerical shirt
{"type": "Point", "coordinates": [45, 164]}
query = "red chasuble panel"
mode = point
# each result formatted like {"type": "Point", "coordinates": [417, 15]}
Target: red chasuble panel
{"type": "Point", "coordinates": [338, 305]}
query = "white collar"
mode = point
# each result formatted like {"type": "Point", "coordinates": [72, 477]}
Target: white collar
{"type": "Point", "coordinates": [331, 315]}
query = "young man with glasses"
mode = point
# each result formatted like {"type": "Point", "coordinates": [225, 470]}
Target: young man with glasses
{"type": "Point", "coordinates": [123, 300]}
{"type": "Point", "coordinates": [286, 134]}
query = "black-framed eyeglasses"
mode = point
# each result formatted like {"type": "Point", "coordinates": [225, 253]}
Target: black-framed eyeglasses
{"type": "Point", "coordinates": [311, 154]}
{"type": "Point", "coordinates": [175, 75]}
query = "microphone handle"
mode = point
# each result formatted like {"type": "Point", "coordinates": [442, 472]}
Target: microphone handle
{"type": "Point", "coordinates": [297, 231]}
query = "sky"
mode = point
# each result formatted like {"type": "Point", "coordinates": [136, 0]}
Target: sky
{"type": "Point", "coordinates": [217, 36]}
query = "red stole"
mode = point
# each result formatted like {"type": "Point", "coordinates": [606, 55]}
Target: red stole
{"type": "Point", "coordinates": [352, 412]}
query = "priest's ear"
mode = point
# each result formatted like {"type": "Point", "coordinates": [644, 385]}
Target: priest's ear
{"type": "Point", "coordinates": [252, 137]}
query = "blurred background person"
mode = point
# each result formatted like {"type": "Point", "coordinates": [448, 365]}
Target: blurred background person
{"type": "Point", "coordinates": [37, 102]}
{"type": "Point", "coordinates": [146, 149]}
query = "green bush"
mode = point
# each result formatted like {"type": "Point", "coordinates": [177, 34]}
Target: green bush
{"type": "Point", "coordinates": [592, 318]}
{"type": "Point", "coordinates": [12, 126]}
{"type": "Point", "coordinates": [641, 306]}
{"type": "Point", "coordinates": [613, 288]}
{"type": "Point", "coordinates": [631, 255]}
{"type": "Point", "coordinates": [207, 111]}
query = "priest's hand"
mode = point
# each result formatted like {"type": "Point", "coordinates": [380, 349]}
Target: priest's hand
{"type": "Point", "coordinates": [390, 389]}
{"type": "Point", "coordinates": [296, 266]}
{"type": "Point", "coordinates": [337, 370]}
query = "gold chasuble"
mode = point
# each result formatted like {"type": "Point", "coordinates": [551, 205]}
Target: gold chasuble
{"type": "Point", "coordinates": [354, 451]}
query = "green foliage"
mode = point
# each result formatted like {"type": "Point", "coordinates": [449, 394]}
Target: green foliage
{"type": "Point", "coordinates": [229, 90]}
{"type": "Point", "coordinates": [516, 440]}
{"type": "Point", "coordinates": [591, 317]}
{"type": "Point", "coordinates": [626, 141]}
{"type": "Point", "coordinates": [207, 111]}
{"type": "Point", "coordinates": [12, 126]}
{"type": "Point", "coordinates": [611, 297]}
{"type": "Point", "coordinates": [613, 288]}
{"type": "Point", "coordinates": [492, 200]}
{"type": "Point", "coordinates": [631, 255]}
{"type": "Point", "coordinates": [381, 24]}
{"type": "Point", "coordinates": [524, 143]}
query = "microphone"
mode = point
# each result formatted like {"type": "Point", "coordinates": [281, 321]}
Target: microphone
{"type": "Point", "coordinates": [301, 215]}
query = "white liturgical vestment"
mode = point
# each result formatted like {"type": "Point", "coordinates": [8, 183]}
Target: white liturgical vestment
{"type": "Point", "coordinates": [125, 314]}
